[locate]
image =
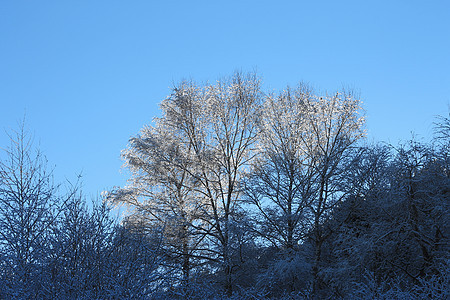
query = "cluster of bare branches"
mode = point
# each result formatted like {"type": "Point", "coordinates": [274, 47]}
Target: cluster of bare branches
{"type": "Point", "coordinates": [52, 245]}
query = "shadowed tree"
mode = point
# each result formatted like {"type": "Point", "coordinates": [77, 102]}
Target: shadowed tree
{"type": "Point", "coordinates": [333, 124]}
{"type": "Point", "coordinates": [29, 207]}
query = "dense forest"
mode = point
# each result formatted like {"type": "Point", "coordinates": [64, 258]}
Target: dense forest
{"type": "Point", "coordinates": [236, 193]}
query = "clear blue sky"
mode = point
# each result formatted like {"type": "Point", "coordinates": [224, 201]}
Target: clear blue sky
{"type": "Point", "coordinates": [89, 74]}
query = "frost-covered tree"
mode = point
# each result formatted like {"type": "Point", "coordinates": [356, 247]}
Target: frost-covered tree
{"type": "Point", "coordinates": [188, 168]}
{"type": "Point", "coordinates": [419, 188]}
{"type": "Point", "coordinates": [55, 245]}
{"type": "Point", "coordinates": [218, 124]}
{"type": "Point", "coordinates": [29, 207]}
{"type": "Point", "coordinates": [333, 124]}
{"type": "Point", "coordinates": [442, 128]}
{"type": "Point", "coordinates": [390, 235]}
{"type": "Point", "coordinates": [305, 149]}
{"type": "Point", "coordinates": [134, 261]}
{"type": "Point", "coordinates": [81, 243]}
{"type": "Point", "coordinates": [275, 190]}
{"type": "Point", "coordinates": [162, 190]}
{"type": "Point", "coordinates": [346, 252]}
{"type": "Point", "coordinates": [92, 257]}
{"type": "Point", "coordinates": [281, 182]}
{"type": "Point", "coordinates": [232, 108]}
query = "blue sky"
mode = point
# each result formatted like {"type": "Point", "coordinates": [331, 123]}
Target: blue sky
{"type": "Point", "coordinates": [89, 74]}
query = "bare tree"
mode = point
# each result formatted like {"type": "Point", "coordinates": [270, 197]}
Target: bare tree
{"type": "Point", "coordinates": [29, 206]}
{"type": "Point", "coordinates": [189, 167]}
{"type": "Point", "coordinates": [305, 150]}
{"type": "Point", "coordinates": [280, 184]}
{"type": "Point", "coordinates": [442, 128]}
{"type": "Point", "coordinates": [233, 109]}
{"type": "Point", "coordinates": [333, 124]}
{"type": "Point", "coordinates": [161, 192]}
{"type": "Point", "coordinates": [218, 122]}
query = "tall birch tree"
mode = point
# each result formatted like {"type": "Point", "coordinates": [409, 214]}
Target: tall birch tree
{"type": "Point", "coordinates": [188, 168]}
{"type": "Point", "coordinates": [219, 124]}
{"type": "Point", "coordinates": [333, 125]}
{"type": "Point", "coordinates": [305, 150]}
{"type": "Point", "coordinates": [280, 184]}
{"type": "Point", "coordinates": [161, 191]}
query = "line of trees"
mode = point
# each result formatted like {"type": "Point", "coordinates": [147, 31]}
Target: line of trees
{"type": "Point", "coordinates": [257, 190]}
{"type": "Point", "coordinates": [237, 193]}
{"type": "Point", "coordinates": [54, 246]}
